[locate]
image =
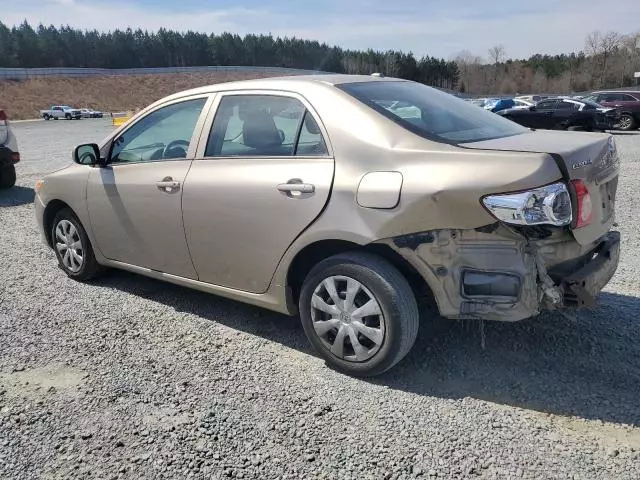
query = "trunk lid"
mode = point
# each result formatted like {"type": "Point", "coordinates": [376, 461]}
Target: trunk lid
{"type": "Point", "coordinates": [589, 157]}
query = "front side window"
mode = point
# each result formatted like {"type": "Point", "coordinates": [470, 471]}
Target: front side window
{"type": "Point", "coordinates": [263, 125]}
{"type": "Point", "coordinates": [430, 113]}
{"type": "Point", "coordinates": [164, 134]}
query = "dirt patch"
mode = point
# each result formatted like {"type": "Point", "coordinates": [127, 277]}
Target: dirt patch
{"type": "Point", "coordinates": [25, 99]}
{"type": "Point", "coordinates": [35, 382]}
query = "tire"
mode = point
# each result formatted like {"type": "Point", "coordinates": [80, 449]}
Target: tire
{"type": "Point", "coordinates": [88, 267]}
{"type": "Point", "coordinates": [46, 117]}
{"type": "Point", "coordinates": [391, 334]}
{"type": "Point", "coordinates": [7, 176]}
{"type": "Point", "coordinates": [626, 122]}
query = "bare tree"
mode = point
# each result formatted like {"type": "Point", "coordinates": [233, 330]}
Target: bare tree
{"type": "Point", "coordinates": [496, 54]}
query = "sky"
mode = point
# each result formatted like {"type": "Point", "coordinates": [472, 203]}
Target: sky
{"type": "Point", "coordinates": [440, 28]}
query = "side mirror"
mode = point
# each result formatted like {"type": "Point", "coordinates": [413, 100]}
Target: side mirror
{"type": "Point", "coordinates": [87, 154]}
{"type": "Point", "coordinates": [532, 108]}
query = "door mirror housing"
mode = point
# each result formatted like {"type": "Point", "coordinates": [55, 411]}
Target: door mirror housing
{"type": "Point", "coordinates": [87, 154]}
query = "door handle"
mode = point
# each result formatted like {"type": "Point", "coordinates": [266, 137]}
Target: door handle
{"type": "Point", "coordinates": [168, 185]}
{"type": "Point", "coordinates": [296, 187]}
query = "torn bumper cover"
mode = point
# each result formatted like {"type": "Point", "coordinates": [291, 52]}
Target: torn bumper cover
{"type": "Point", "coordinates": [498, 274]}
{"type": "Point", "coordinates": [581, 288]}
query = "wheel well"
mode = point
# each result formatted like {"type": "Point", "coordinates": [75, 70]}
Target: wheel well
{"type": "Point", "coordinates": [312, 254]}
{"type": "Point", "coordinates": [50, 212]}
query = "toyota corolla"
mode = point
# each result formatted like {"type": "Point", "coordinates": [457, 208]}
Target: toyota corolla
{"type": "Point", "coordinates": [341, 199]}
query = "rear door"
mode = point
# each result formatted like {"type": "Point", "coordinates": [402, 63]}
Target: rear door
{"type": "Point", "coordinates": [543, 115]}
{"type": "Point", "coordinates": [566, 114]}
{"type": "Point", "coordinates": [263, 174]}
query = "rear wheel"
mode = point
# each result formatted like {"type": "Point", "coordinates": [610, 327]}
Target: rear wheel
{"type": "Point", "coordinates": [72, 247]}
{"type": "Point", "coordinates": [7, 176]}
{"type": "Point", "coordinates": [46, 117]}
{"type": "Point", "coordinates": [626, 122]}
{"type": "Point", "coordinates": [359, 313]}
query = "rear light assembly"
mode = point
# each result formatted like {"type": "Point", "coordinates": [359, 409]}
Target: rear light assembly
{"type": "Point", "coordinates": [3, 117]}
{"type": "Point", "coordinates": [584, 206]}
{"type": "Point", "coordinates": [548, 205]}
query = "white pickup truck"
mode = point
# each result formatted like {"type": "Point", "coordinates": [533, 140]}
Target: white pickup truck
{"type": "Point", "coordinates": [61, 111]}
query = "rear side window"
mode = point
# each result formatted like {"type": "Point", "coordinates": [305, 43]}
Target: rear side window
{"type": "Point", "coordinates": [564, 105]}
{"type": "Point", "coordinates": [430, 113]}
{"type": "Point", "coordinates": [546, 105]}
{"type": "Point", "coordinates": [264, 125]}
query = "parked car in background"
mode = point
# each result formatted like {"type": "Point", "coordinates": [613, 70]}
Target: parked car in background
{"type": "Point", "coordinates": [498, 104]}
{"type": "Point", "coordinates": [531, 98]}
{"type": "Point", "coordinates": [89, 113]}
{"type": "Point", "coordinates": [9, 154]}
{"type": "Point", "coordinates": [518, 103]}
{"type": "Point", "coordinates": [61, 111]}
{"type": "Point", "coordinates": [564, 114]}
{"type": "Point", "coordinates": [627, 103]}
{"type": "Point", "coordinates": [375, 191]}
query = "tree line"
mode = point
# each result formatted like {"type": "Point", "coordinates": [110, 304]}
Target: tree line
{"type": "Point", "coordinates": [608, 60]}
{"type": "Point", "coordinates": [49, 46]}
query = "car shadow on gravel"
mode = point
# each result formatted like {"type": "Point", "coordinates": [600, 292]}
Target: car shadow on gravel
{"type": "Point", "coordinates": [588, 367]}
{"type": "Point", "coordinates": [16, 196]}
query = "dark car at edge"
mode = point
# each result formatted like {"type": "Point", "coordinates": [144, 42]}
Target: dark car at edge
{"type": "Point", "coordinates": [564, 114]}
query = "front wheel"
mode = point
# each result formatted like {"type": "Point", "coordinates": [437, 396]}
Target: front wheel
{"type": "Point", "coordinates": [46, 117]}
{"type": "Point", "coordinates": [72, 247]}
{"type": "Point", "coordinates": [7, 176]}
{"type": "Point", "coordinates": [359, 313]}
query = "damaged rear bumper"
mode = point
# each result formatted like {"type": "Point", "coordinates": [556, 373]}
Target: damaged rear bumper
{"type": "Point", "coordinates": [581, 288]}
{"type": "Point", "coordinates": [498, 274]}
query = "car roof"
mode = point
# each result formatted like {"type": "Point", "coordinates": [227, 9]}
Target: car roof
{"type": "Point", "coordinates": [632, 92]}
{"type": "Point", "coordinates": [285, 83]}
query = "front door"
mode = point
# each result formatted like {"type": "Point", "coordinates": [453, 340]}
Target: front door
{"type": "Point", "coordinates": [135, 201]}
{"type": "Point", "coordinates": [264, 176]}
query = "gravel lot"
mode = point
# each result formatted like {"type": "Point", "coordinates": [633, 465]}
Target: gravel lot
{"type": "Point", "coordinates": [133, 378]}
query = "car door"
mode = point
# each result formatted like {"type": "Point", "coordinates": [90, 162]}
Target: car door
{"type": "Point", "coordinates": [263, 174]}
{"type": "Point", "coordinates": [566, 114]}
{"type": "Point", "coordinates": [542, 116]}
{"type": "Point", "coordinates": [134, 201]}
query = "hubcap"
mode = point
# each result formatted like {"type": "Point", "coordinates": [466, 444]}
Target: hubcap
{"type": "Point", "coordinates": [625, 122]}
{"type": "Point", "coordinates": [347, 318]}
{"type": "Point", "coordinates": [69, 246]}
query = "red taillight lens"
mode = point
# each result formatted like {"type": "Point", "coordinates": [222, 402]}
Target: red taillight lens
{"type": "Point", "coordinates": [585, 207]}
{"type": "Point", "coordinates": [3, 116]}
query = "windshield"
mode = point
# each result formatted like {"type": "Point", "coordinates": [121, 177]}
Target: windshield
{"type": "Point", "coordinates": [430, 113]}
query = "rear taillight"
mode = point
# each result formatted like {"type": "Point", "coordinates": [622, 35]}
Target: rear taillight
{"type": "Point", "coordinates": [584, 213]}
{"type": "Point", "coordinates": [3, 117]}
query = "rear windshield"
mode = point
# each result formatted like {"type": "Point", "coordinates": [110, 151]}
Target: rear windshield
{"type": "Point", "coordinates": [431, 113]}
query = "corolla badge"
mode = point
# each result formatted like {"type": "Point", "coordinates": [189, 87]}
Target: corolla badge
{"type": "Point", "coordinates": [584, 163]}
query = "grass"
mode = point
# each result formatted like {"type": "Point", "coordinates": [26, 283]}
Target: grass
{"type": "Point", "coordinates": [24, 99]}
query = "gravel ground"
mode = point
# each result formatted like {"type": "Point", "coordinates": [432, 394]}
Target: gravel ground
{"type": "Point", "coordinates": [128, 377]}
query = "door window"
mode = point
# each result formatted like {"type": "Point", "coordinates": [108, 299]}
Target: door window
{"type": "Point", "coordinates": [546, 105]}
{"type": "Point", "coordinates": [564, 105]}
{"type": "Point", "coordinates": [263, 125]}
{"type": "Point", "coordinates": [164, 134]}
